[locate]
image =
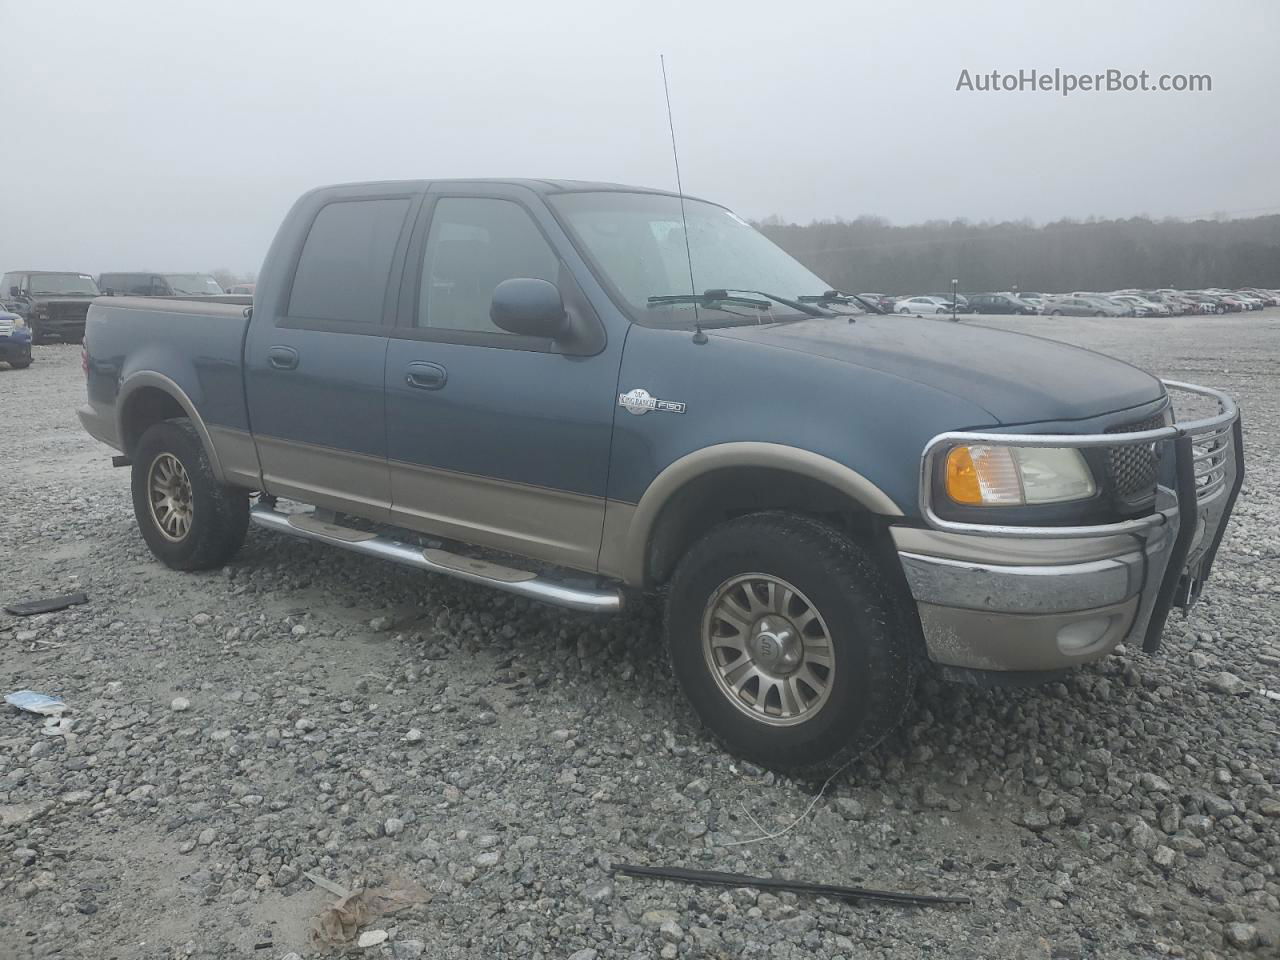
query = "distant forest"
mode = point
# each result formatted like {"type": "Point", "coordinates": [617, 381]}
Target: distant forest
{"type": "Point", "coordinates": [870, 255]}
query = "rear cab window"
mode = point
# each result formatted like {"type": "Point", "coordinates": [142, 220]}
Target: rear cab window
{"type": "Point", "coordinates": [346, 260]}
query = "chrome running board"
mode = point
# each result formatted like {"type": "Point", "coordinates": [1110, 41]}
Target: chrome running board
{"type": "Point", "coordinates": [523, 583]}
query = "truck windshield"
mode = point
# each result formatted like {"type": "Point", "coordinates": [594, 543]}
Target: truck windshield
{"type": "Point", "coordinates": [637, 240]}
{"type": "Point", "coordinates": [193, 284]}
{"type": "Point", "coordinates": [47, 283]}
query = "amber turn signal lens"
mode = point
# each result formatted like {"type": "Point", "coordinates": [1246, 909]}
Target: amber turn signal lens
{"type": "Point", "coordinates": [962, 477]}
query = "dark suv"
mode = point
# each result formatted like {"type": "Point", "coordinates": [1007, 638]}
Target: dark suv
{"type": "Point", "coordinates": [53, 304]}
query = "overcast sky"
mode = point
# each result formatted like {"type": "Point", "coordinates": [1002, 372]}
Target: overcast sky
{"type": "Point", "coordinates": [166, 135]}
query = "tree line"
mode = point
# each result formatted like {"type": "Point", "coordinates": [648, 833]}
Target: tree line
{"type": "Point", "coordinates": [871, 255]}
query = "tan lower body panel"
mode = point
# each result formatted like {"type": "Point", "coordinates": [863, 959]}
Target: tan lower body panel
{"type": "Point", "coordinates": [336, 479]}
{"type": "Point", "coordinates": [238, 456]}
{"type": "Point", "coordinates": [550, 525]}
{"type": "Point", "coordinates": [617, 557]}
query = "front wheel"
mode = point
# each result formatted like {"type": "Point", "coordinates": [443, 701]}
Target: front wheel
{"type": "Point", "coordinates": [788, 642]}
{"type": "Point", "coordinates": [188, 519]}
{"type": "Point", "coordinates": [1057, 313]}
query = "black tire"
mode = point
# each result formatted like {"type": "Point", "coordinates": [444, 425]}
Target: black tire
{"type": "Point", "coordinates": [20, 364]}
{"type": "Point", "coordinates": [1057, 313]}
{"type": "Point", "coordinates": [1099, 314]}
{"type": "Point", "coordinates": [873, 641]}
{"type": "Point", "coordinates": [1219, 309]}
{"type": "Point", "coordinates": [37, 336]}
{"type": "Point", "coordinates": [219, 515]}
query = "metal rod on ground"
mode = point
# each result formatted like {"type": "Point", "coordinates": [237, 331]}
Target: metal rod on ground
{"type": "Point", "coordinates": [717, 878]}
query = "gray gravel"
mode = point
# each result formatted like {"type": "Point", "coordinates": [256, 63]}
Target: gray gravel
{"type": "Point", "coordinates": [305, 710]}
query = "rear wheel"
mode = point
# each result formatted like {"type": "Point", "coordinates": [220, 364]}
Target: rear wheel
{"type": "Point", "coordinates": [1057, 313]}
{"type": "Point", "coordinates": [1099, 314]}
{"type": "Point", "coordinates": [188, 519]}
{"type": "Point", "coordinates": [20, 364]}
{"type": "Point", "coordinates": [788, 642]}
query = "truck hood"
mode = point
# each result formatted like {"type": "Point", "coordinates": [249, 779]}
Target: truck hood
{"type": "Point", "coordinates": [1015, 377]}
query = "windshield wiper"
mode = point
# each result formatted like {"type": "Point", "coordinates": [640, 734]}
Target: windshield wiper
{"type": "Point", "coordinates": [839, 296]}
{"type": "Point", "coordinates": [708, 298]}
{"type": "Point", "coordinates": [804, 308]}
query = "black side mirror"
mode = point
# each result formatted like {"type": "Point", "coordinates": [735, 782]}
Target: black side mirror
{"type": "Point", "coordinates": [15, 292]}
{"type": "Point", "coordinates": [532, 308]}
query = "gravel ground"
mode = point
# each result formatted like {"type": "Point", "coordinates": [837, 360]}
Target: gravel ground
{"type": "Point", "coordinates": [305, 710]}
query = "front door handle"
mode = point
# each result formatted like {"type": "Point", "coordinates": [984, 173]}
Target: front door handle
{"type": "Point", "coordinates": [425, 376]}
{"type": "Point", "coordinates": [283, 358]}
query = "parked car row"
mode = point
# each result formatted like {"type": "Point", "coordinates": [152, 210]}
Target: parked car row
{"type": "Point", "coordinates": [52, 304]}
{"type": "Point", "coordinates": [1165, 302]}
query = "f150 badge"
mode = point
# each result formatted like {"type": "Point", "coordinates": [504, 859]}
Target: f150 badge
{"type": "Point", "coordinates": [639, 402]}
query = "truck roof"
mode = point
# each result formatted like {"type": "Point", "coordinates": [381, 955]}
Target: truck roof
{"type": "Point", "coordinates": [65, 273]}
{"type": "Point", "coordinates": [542, 186]}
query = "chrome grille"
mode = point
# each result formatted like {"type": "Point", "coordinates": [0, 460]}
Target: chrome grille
{"type": "Point", "coordinates": [6, 326]}
{"type": "Point", "coordinates": [1132, 466]}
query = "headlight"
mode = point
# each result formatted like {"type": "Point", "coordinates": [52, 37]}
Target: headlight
{"type": "Point", "coordinates": [19, 321]}
{"type": "Point", "coordinates": [988, 475]}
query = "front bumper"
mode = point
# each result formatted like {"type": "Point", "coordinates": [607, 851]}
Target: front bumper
{"type": "Point", "coordinates": [14, 347]}
{"type": "Point", "coordinates": [1013, 598]}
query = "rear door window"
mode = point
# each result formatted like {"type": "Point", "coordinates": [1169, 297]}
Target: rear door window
{"type": "Point", "coordinates": [346, 261]}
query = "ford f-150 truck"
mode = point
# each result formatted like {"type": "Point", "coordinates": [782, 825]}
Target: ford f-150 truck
{"type": "Point", "coordinates": [516, 383]}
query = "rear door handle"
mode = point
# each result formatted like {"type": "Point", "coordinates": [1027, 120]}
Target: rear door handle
{"type": "Point", "coordinates": [425, 376]}
{"type": "Point", "coordinates": [283, 358]}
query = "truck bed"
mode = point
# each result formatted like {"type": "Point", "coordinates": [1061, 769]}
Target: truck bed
{"type": "Point", "coordinates": [197, 343]}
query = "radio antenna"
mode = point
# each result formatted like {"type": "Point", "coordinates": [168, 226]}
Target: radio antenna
{"type": "Point", "coordinates": [698, 335]}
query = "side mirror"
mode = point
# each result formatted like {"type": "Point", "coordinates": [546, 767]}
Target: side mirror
{"type": "Point", "coordinates": [107, 292]}
{"type": "Point", "coordinates": [15, 292]}
{"type": "Point", "coordinates": [532, 308]}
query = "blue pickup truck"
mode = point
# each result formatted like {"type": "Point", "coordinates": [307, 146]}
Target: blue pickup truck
{"type": "Point", "coordinates": [516, 383]}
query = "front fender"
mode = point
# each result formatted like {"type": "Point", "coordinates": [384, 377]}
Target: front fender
{"type": "Point", "coordinates": [629, 528]}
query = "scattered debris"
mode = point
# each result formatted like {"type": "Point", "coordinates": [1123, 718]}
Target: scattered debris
{"type": "Point", "coordinates": [1269, 694]}
{"type": "Point", "coordinates": [336, 889]}
{"type": "Point", "coordinates": [29, 608]}
{"type": "Point", "coordinates": [339, 922]}
{"type": "Point", "coordinates": [848, 894]}
{"type": "Point", "coordinates": [33, 702]}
